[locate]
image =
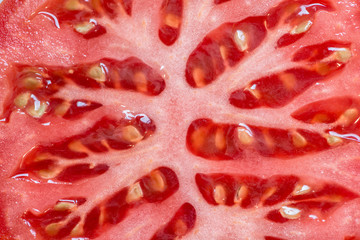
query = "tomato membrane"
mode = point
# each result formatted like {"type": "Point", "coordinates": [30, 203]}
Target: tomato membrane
{"type": "Point", "coordinates": [173, 119]}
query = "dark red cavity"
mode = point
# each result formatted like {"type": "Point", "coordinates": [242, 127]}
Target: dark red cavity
{"type": "Point", "coordinates": [254, 191]}
{"type": "Point", "coordinates": [294, 13]}
{"type": "Point", "coordinates": [317, 52]}
{"type": "Point", "coordinates": [325, 111]}
{"type": "Point", "coordinates": [127, 5]}
{"type": "Point", "coordinates": [116, 207]}
{"type": "Point", "coordinates": [276, 217]}
{"type": "Point", "coordinates": [220, 1]}
{"type": "Point", "coordinates": [81, 12]}
{"type": "Point", "coordinates": [106, 130]}
{"type": "Point", "coordinates": [80, 171]}
{"type": "Point", "coordinates": [272, 91]}
{"type": "Point", "coordinates": [129, 74]}
{"type": "Point", "coordinates": [203, 134]}
{"type": "Point", "coordinates": [256, 188]}
{"type": "Point", "coordinates": [273, 238]}
{"type": "Point", "coordinates": [171, 17]}
{"type": "Point", "coordinates": [180, 224]}
{"type": "Point", "coordinates": [112, 210]}
{"type": "Point", "coordinates": [279, 89]}
{"type": "Point", "coordinates": [40, 221]}
{"type": "Point", "coordinates": [207, 57]}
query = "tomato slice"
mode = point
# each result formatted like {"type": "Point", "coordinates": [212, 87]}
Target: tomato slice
{"type": "Point", "coordinates": [173, 119]}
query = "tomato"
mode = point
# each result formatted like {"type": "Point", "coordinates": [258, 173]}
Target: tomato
{"type": "Point", "coordinates": [172, 119]}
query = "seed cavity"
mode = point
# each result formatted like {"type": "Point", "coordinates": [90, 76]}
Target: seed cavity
{"type": "Point", "coordinates": [134, 193]}
{"type": "Point", "coordinates": [290, 212]}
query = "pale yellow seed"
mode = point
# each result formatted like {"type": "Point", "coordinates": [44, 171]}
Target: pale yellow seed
{"type": "Point", "coordinates": [32, 83]}
{"type": "Point", "coordinates": [223, 52]}
{"type": "Point", "coordinates": [48, 173]}
{"type": "Point", "coordinates": [244, 136]}
{"type": "Point", "coordinates": [322, 68]}
{"type": "Point", "coordinates": [172, 20]}
{"type": "Point", "coordinates": [84, 27]}
{"type": "Point", "coordinates": [268, 193]}
{"type": "Point", "coordinates": [77, 146]}
{"type": "Point", "coordinates": [301, 190]}
{"type": "Point", "coordinates": [78, 230]}
{"type": "Point", "coordinates": [299, 140]}
{"type": "Point", "coordinates": [180, 228]}
{"type": "Point", "coordinates": [131, 134]}
{"type": "Point", "coordinates": [220, 139]}
{"type": "Point", "coordinates": [73, 5]}
{"type": "Point", "coordinates": [302, 27]}
{"type": "Point", "coordinates": [256, 93]}
{"type": "Point", "coordinates": [97, 73]}
{"type": "Point", "coordinates": [61, 109]}
{"type": "Point", "coordinates": [158, 183]}
{"type": "Point", "coordinates": [333, 140]}
{"type": "Point", "coordinates": [343, 55]}
{"type": "Point", "coordinates": [348, 117]}
{"type": "Point", "coordinates": [241, 40]}
{"type": "Point", "coordinates": [37, 109]}
{"type": "Point", "coordinates": [199, 77]}
{"type": "Point", "coordinates": [22, 100]}
{"type": "Point", "coordinates": [64, 206]}
{"type": "Point", "coordinates": [140, 81]}
{"type": "Point", "coordinates": [102, 217]}
{"type": "Point", "coordinates": [289, 80]}
{"type": "Point", "coordinates": [268, 139]}
{"type": "Point", "coordinates": [198, 138]}
{"type": "Point", "coordinates": [134, 193]}
{"type": "Point", "coordinates": [290, 212]}
{"type": "Point", "coordinates": [219, 194]}
{"type": "Point", "coordinates": [53, 229]}
{"type": "Point", "coordinates": [241, 194]}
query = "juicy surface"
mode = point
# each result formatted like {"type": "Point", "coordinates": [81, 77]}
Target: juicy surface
{"type": "Point", "coordinates": [26, 41]}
